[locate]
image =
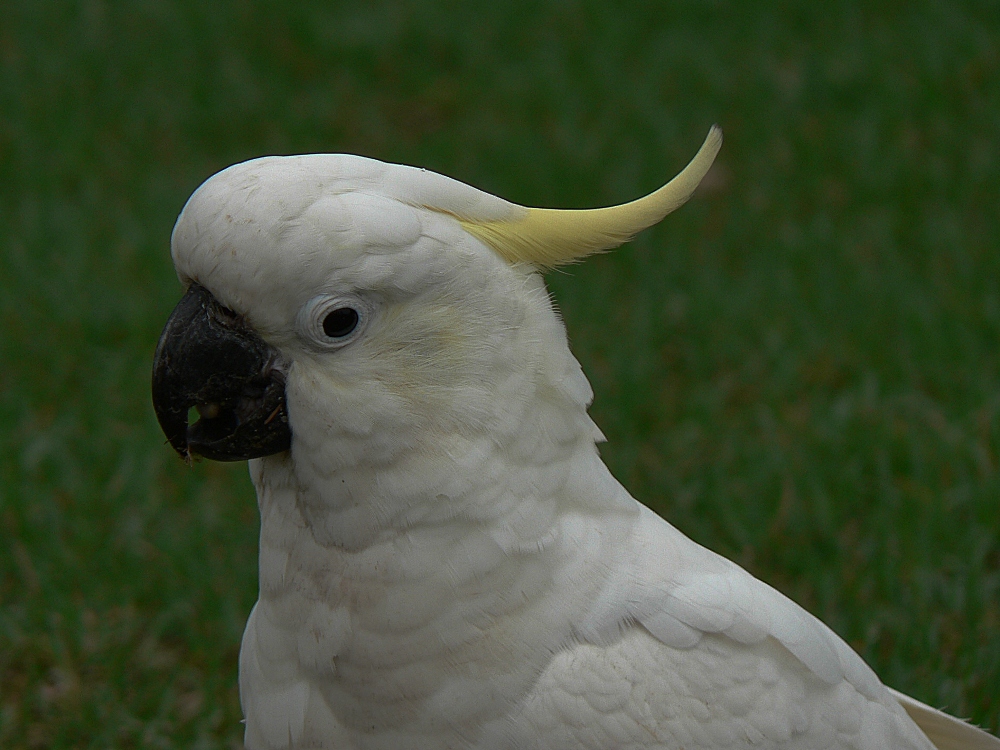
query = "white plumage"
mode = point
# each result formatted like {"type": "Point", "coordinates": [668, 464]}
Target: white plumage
{"type": "Point", "coordinates": [445, 562]}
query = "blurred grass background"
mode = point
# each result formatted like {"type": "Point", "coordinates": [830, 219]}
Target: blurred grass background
{"type": "Point", "coordinates": [799, 369]}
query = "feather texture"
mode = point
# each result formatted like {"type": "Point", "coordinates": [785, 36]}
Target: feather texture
{"type": "Point", "coordinates": [445, 561]}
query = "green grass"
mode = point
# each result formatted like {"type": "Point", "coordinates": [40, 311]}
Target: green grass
{"type": "Point", "coordinates": [800, 369]}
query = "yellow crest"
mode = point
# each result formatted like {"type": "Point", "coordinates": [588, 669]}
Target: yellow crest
{"type": "Point", "coordinates": [549, 237]}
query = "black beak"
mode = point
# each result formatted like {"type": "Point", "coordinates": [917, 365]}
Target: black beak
{"type": "Point", "coordinates": [209, 358]}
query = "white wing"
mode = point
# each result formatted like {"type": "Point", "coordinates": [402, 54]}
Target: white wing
{"type": "Point", "coordinates": [686, 649]}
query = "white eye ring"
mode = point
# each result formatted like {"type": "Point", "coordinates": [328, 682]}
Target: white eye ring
{"type": "Point", "coordinates": [333, 321]}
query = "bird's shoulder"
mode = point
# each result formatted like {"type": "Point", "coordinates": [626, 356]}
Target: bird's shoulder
{"type": "Point", "coordinates": [683, 647]}
{"type": "Point", "coordinates": [680, 592]}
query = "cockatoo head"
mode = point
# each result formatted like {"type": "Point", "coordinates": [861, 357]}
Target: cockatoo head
{"type": "Point", "coordinates": [369, 304]}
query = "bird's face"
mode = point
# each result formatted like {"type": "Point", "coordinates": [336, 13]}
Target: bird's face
{"type": "Point", "coordinates": [350, 314]}
{"type": "Point", "coordinates": [341, 302]}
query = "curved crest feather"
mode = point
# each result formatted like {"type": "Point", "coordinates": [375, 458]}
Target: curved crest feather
{"type": "Point", "coordinates": [549, 237]}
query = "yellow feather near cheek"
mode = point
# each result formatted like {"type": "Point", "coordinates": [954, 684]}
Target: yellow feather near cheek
{"type": "Point", "coordinates": [548, 237]}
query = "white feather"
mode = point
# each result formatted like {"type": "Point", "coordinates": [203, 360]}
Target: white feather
{"type": "Point", "coordinates": [445, 562]}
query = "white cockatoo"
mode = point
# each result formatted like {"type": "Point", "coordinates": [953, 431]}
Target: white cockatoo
{"type": "Point", "coordinates": [445, 561]}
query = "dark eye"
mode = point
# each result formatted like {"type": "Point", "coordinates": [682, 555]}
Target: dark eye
{"type": "Point", "coordinates": [340, 322]}
{"type": "Point", "coordinates": [331, 321]}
